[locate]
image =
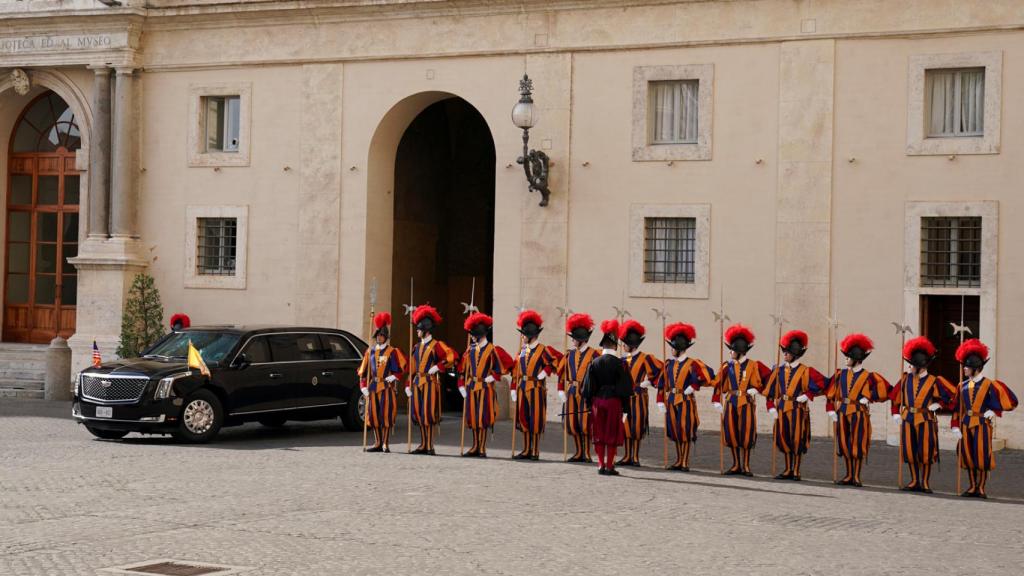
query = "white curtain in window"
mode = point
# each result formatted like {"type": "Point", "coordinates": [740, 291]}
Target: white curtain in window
{"type": "Point", "coordinates": [675, 112]}
{"type": "Point", "coordinates": [957, 102]}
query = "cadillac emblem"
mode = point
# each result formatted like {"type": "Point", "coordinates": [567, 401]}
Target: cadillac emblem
{"type": "Point", "coordinates": [105, 383]}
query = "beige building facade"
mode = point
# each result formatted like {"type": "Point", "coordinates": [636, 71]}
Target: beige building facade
{"type": "Point", "coordinates": [832, 162]}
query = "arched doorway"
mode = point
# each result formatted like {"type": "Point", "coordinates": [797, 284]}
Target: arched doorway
{"type": "Point", "coordinates": [444, 214]}
{"type": "Point", "coordinates": [42, 223]}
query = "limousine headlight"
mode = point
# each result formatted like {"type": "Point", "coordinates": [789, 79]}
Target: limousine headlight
{"type": "Point", "coordinates": [165, 388]}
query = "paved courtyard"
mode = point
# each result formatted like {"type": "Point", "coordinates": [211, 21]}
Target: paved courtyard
{"type": "Point", "coordinates": [305, 500]}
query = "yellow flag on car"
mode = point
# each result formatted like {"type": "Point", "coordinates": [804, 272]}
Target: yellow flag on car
{"type": "Point", "coordinates": [195, 360]}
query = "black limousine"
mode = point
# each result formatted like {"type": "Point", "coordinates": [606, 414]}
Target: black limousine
{"type": "Point", "coordinates": [264, 374]}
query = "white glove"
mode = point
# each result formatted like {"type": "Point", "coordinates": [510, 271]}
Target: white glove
{"type": "Point", "coordinates": [365, 391]}
{"type": "Point", "coordinates": [646, 384]}
{"type": "Point", "coordinates": [543, 374]}
{"type": "Point", "coordinates": [774, 413]}
{"type": "Point", "coordinates": [832, 414]}
{"type": "Point", "coordinates": [718, 406]}
{"type": "Point", "coordinates": [989, 414]}
{"type": "Point", "coordinates": [433, 370]}
{"type": "Point", "coordinates": [863, 401]}
{"type": "Point", "coordinates": [896, 419]}
{"type": "Point", "coordinates": [408, 392]}
{"type": "Point", "coordinates": [688, 391]}
{"type": "Point", "coordinates": [661, 407]}
{"type": "Point", "coordinates": [462, 390]}
{"type": "Point", "coordinates": [561, 395]}
{"type": "Point", "coordinates": [957, 434]}
{"type": "Point", "coordinates": [489, 379]}
{"type": "Point", "coordinates": [752, 392]}
{"type": "Point", "coordinates": [625, 418]}
{"type": "Point", "coordinates": [802, 398]}
{"type": "Point", "coordinates": [934, 406]}
{"type": "Point", "coordinates": [391, 379]}
{"type": "Point", "coordinates": [514, 396]}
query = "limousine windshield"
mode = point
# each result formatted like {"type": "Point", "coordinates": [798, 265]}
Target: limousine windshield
{"type": "Point", "coordinates": [213, 346]}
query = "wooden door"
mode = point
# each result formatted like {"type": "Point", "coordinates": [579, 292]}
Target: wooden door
{"type": "Point", "coordinates": [40, 286]}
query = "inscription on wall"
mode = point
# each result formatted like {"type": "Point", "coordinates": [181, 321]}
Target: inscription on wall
{"type": "Point", "coordinates": [62, 43]}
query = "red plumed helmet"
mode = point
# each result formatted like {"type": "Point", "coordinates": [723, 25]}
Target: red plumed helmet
{"type": "Point", "coordinates": [972, 347]}
{"type": "Point", "coordinates": [477, 318]}
{"type": "Point", "coordinates": [679, 328]}
{"type": "Point", "coordinates": [425, 311]}
{"type": "Point", "coordinates": [183, 318]}
{"type": "Point", "coordinates": [529, 317]}
{"type": "Point", "coordinates": [381, 320]}
{"type": "Point", "coordinates": [856, 341]}
{"type": "Point", "coordinates": [575, 321]}
{"type": "Point", "coordinates": [739, 331]}
{"type": "Point", "coordinates": [610, 327]}
{"type": "Point", "coordinates": [631, 326]}
{"type": "Point", "coordinates": [918, 344]}
{"type": "Point", "coordinates": [798, 335]}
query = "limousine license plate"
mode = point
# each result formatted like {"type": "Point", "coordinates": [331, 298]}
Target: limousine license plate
{"type": "Point", "coordinates": [104, 412]}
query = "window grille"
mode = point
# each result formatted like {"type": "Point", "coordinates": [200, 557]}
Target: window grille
{"type": "Point", "coordinates": [669, 250]}
{"type": "Point", "coordinates": [215, 248]}
{"type": "Point", "coordinates": [951, 252]}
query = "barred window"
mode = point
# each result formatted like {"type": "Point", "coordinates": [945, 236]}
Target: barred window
{"type": "Point", "coordinates": [215, 249]}
{"type": "Point", "coordinates": [951, 252]}
{"type": "Point", "coordinates": [669, 250]}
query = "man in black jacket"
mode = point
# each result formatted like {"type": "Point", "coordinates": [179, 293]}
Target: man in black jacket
{"type": "Point", "coordinates": [606, 391]}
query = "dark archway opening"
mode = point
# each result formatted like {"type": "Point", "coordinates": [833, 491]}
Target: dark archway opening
{"type": "Point", "coordinates": [444, 216]}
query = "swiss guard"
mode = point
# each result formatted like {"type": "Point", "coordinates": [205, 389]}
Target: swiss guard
{"type": "Point", "coordinates": [643, 370]}
{"type": "Point", "coordinates": [736, 388]}
{"type": "Point", "coordinates": [535, 363]}
{"type": "Point", "coordinates": [430, 357]}
{"type": "Point", "coordinates": [482, 365]}
{"type": "Point", "coordinates": [381, 369]}
{"type": "Point", "coordinates": [571, 370]}
{"type": "Point", "coordinates": [849, 393]}
{"type": "Point", "coordinates": [915, 399]}
{"type": "Point", "coordinates": [978, 400]}
{"type": "Point", "coordinates": [680, 379]}
{"type": "Point", "coordinates": [791, 386]}
{"type": "Point", "coordinates": [606, 392]}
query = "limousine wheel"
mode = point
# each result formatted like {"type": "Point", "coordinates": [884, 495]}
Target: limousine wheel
{"type": "Point", "coordinates": [352, 413]}
{"type": "Point", "coordinates": [201, 417]}
{"type": "Point", "coordinates": [107, 434]}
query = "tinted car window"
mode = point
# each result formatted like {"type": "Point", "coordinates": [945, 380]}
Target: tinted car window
{"type": "Point", "coordinates": [338, 348]}
{"type": "Point", "coordinates": [295, 347]}
{"type": "Point", "coordinates": [213, 346]}
{"type": "Point", "coordinates": [257, 351]}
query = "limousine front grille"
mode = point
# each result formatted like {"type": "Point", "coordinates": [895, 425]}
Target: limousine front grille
{"type": "Point", "coordinates": [104, 389]}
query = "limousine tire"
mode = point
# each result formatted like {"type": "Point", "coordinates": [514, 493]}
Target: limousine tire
{"type": "Point", "coordinates": [107, 434]}
{"type": "Point", "coordinates": [201, 418]}
{"type": "Point", "coordinates": [352, 413]}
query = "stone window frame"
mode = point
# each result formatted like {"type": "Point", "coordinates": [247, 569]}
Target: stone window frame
{"type": "Point", "coordinates": [918, 143]}
{"type": "Point", "coordinates": [699, 288]}
{"type": "Point", "coordinates": [643, 150]}
{"type": "Point", "coordinates": [237, 281]}
{"type": "Point", "coordinates": [198, 157]}
{"type": "Point", "coordinates": [988, 211]}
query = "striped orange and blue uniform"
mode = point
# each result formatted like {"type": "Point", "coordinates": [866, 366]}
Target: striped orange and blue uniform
{"type": "Point", "coordinates": [571, 370]}
{"type": "Point", "coordinates": [426, 388]}
{"type": "Point", "coordinates": [681, 417]}
{"type": "Point", "coordinates": [481, 400]}
{"type": "Point", "coordinates": [853, 424]}
{"type": "Point", "coordinates": [792, 429]}
{"type": "Point", "coordinates": [919, 426]}
{"type": "Point", "coordinates": [382, 401]}
{"type": "Point", "coordinates": [971, 401]}
{"type": "Point", "coordinates": [641, 367]}
{"type": "Point", "coordinates": [739, 420]}
{"type": "Point", "coordinates": [531, 393]}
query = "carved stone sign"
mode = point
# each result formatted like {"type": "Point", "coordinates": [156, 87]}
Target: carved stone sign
{"type": "Point", "coordinates": [57, 43]}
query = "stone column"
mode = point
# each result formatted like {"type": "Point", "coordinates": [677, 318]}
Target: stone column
{"type": "Point", "coordinates": [122, 193]}
{"type": "Point", "coordinates": [99, 156]}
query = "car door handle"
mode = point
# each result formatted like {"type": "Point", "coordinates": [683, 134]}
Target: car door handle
{"type": "Point", "coordinates": [274, 375]}
{"type": "Point", "coordinates": [327, 373]}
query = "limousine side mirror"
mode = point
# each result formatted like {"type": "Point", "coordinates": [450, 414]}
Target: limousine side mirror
{"type": "Point", "coordinates": [241, 362]}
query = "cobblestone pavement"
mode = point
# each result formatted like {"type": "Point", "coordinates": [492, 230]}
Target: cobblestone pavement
{"type": "Point", "coordinates": [305, 500]}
